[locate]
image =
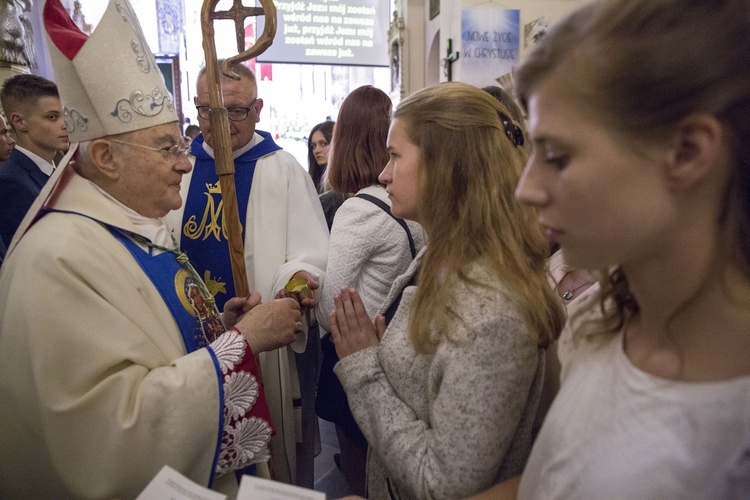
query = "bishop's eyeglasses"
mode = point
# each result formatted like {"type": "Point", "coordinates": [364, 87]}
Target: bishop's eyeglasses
{"type": "Point", "coordinates": [175, 151]}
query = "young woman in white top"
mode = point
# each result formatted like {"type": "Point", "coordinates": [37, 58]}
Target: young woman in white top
{"type": "Point", "coordinates": [639, 114]}
{"type": "Point", "coordinates": [368, 249]}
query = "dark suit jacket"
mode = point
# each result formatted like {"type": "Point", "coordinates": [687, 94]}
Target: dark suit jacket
{"type": "Point", "coordinates": [20, 183]}
{"type": "Point", "coordinates": [2, 251]}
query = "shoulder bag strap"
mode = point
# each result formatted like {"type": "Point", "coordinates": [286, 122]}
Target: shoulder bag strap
{"type": "Point", "coordinates": [387, 210]}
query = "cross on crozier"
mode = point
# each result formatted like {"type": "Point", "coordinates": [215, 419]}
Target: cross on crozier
{"type": "Point", "coordinates": [238, 13]}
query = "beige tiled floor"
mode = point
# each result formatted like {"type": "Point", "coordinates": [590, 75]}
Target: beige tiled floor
{"type": "Point", "coordinates": [328, 477]}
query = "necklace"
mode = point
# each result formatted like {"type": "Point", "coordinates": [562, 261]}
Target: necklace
{"type": "Point", "coordinates": [568, 294]}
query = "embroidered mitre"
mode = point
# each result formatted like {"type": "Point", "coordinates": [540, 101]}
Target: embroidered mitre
{"type": "Point", "coordinates": [109, 83]}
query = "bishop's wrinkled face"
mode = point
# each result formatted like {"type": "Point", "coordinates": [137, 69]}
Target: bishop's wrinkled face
{"type": "Point", "coordinates": [243, 106]}
{"type": "Point", "coordinates": [151, 163]}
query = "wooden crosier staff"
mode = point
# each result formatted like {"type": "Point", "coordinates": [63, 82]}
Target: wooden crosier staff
{"type": "Point", "coordinates": [222, 143]}
{"type": "Point", "coordinates": [219, 119]}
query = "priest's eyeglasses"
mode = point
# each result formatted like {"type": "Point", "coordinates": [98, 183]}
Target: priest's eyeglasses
{"type": "Point", "coordinates": [175, 151]}
{"type": "Point", "coordinates": [234, 113]}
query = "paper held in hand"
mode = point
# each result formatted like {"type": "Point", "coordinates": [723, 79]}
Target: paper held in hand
{"type": "Point", "coordinates": [170, 484]}
{"type": "Point", "coordinates": [252, 487]}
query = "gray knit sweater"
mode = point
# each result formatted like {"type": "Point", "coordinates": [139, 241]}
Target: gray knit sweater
{"type": "Point", "coordinates": [449, 424]}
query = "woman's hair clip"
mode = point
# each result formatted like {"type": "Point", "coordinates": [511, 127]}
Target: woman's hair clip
{"type": "Point", "coordinates": [512, 130]}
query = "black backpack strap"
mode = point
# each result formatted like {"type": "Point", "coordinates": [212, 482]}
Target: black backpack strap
{"type": "Point", "coordinates": [401, 222]}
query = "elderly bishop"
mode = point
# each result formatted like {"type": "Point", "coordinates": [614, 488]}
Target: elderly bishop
{"type": "Point", "coordinates": [114, 360]}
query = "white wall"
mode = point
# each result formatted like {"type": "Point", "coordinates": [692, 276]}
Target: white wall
{"type": "Point", "coordinates": [425, 40]}
{"type": "Point", "coordinates": [424, 51]}
{"type": "Point", "coordinates": [434, 48]}
{"type": "Point", "coordinates": [530, 10]}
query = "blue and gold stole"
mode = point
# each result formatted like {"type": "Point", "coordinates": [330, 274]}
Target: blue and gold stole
{"type": "Point", "coordinates": [187, 300]}
{"type": "Point", "coordinates": [183, 293]}
{"type": "Point", "coordinates": [204, 235]}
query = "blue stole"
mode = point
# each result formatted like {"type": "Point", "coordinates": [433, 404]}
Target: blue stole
{"type": "Point", "coordinates": [204, 235]}
{"type": "Point", "coordinates": [199, 323]}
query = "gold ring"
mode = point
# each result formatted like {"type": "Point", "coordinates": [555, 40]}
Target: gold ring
{"type": "Point", "coordinates": [298, 326]}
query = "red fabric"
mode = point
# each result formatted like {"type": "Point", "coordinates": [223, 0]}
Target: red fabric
{"type": "Point", "coordinates": [249, 42]}
{"type": "Point", "coordinates": [62, 30]}
{"type": "Point", "coordinates": [266, 72]}
{"type": "Point", "coordinates": [249, 365]}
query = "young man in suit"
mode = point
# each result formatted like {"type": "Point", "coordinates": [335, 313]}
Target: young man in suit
{"type": "Point", "coordinates": [32, 106]}
{"type": "Point", "coordinates": [6, 147]}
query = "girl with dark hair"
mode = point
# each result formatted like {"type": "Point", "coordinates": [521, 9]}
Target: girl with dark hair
{"type": "Point", "coordinates": [318, 145]}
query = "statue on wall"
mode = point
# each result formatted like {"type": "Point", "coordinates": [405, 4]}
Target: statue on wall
{"type": "Point", "coordinates": [79, 19]}
{"type": "Point", "coordinates": [395, 66]}
{"type": "Point", "coordinates": [398, 56]}
{"type": "Point", "coordinates": [16, 36]}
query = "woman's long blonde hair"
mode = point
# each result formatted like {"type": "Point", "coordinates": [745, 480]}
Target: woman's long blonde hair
{"type": "Point", "coordinates": [468, 172]}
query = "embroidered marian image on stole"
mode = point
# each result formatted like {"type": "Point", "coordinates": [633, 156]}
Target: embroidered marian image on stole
{"type": "Point", "coordinates": [209, 323]}
{"type": "Point", "coordinates": [210, 226]}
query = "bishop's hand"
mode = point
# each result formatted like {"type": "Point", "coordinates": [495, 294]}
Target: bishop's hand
{"type": "Point", "coordinates": [270, 326]}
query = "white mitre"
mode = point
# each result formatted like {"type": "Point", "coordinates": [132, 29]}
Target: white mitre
{"type": "Point", "coordinates": [109, 83]}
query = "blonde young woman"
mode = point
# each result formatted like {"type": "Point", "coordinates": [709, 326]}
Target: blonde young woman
{"type": "Point", "coordinates": [447, 392]}
{"type": "Point", "coordinates": [653, 186]}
